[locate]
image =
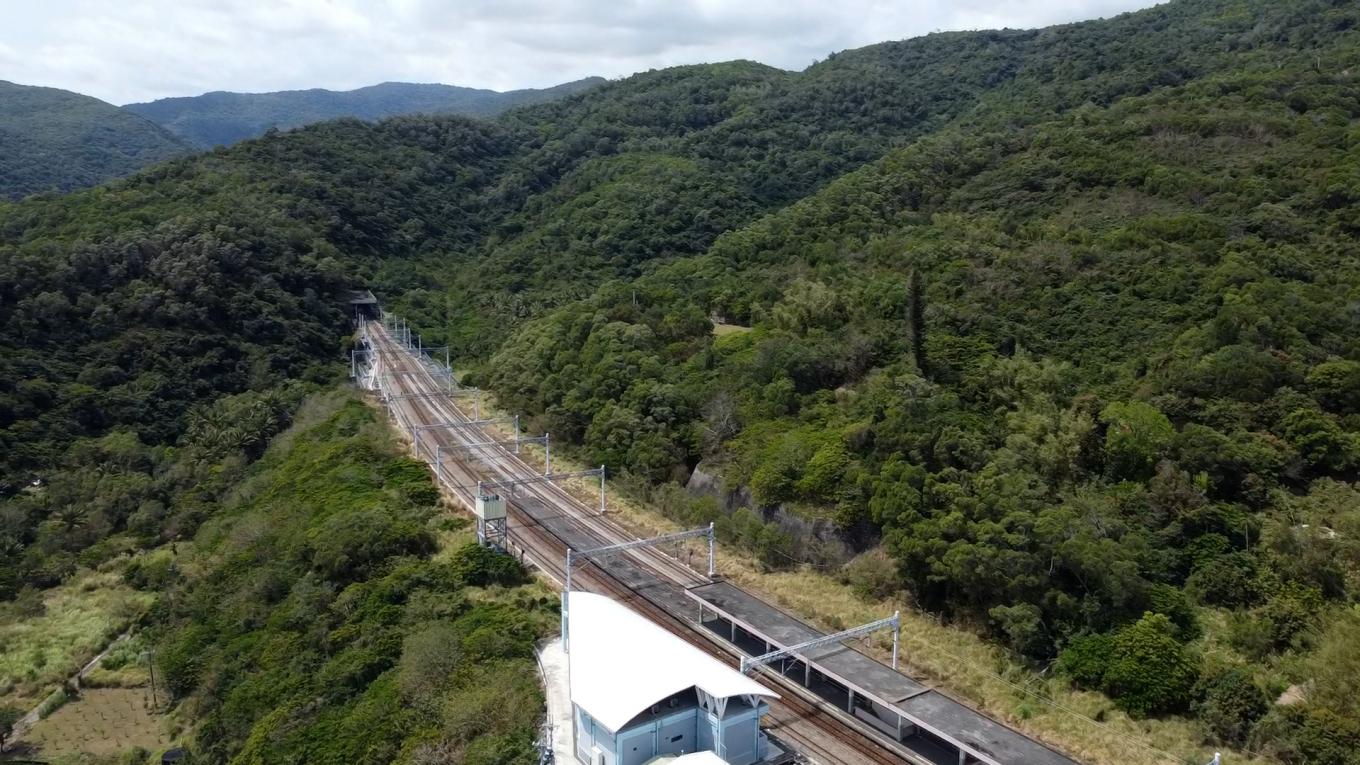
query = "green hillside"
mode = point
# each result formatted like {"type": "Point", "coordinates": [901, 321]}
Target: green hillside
{"type": "Point", "coordinates": [220, 118]}
{"type": "Point", "coordinates": [55, 140]}
{"type": "Point", "coordinates": [1053, 331]}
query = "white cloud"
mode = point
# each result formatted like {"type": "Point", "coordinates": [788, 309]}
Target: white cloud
{"type": "Point", "coordinates": [138, 50]}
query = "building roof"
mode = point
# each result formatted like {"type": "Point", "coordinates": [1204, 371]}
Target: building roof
{"type": "Point", "coordinates": [622, 663]}
{"type": "Point", "coordinates": [694, 758]}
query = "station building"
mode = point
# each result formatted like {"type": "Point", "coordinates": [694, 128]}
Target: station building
{"type": "Point", "coordinates": [639, 693]}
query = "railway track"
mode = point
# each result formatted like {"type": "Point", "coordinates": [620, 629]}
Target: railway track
{"type": "Point", "coordinates": [815, 728]}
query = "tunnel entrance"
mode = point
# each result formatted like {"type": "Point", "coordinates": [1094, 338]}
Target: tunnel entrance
{"type": "Point", "coordinates": [363, 305]}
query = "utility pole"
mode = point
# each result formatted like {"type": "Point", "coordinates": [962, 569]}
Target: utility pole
{"type": "Point", "coordinates": [711, 571]}
{"type": "Point", "coordinates": [151, 665]}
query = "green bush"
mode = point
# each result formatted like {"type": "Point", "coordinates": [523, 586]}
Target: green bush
{"type": "Point", "coordinates": [428, 656]}
{"type": "Point", "coordinates": [1305, 735]}
{"type": "Point", "coordinates": [481, 566]}
{"type": "Point", "coordinates": [1173, 603]}
{"type": "Point", "coordinates": [52, 703]}
{"type": "Point", "coordinates": [1227, 580]}
{"type": "Point", "coordinates": [1289, 612]}
{"type": "Point", "coordinates": [1229, 704]}
{"type": "Point", "coordinates": [1149, 671]}
{"type": "Point", "coordinates": [1251, 634]}
{"type": "Point", "coordinates": [1086, 659]}
{"type": "Point", "coordinates": [1321, 440]}
{"type": "Point", "coordinates": [501, 750]}
{"type": "Point", "coordinates": [348, 547]}
{"type": "Point", "coordinates": [152, 572]}
{"type": "Point", "coordinates": [1023, 627]}
{"type": "Point", "coordinates": [1335, 666]}
{"type": "Point", "coordinates": [123, 653]}
{"type": "Point", "coordinates": [1336, 385]}
{"type": "Point", "coordinates": [1137, 435]}
{"type": "Point", "coordinates": [181, 660]}
{"type": "Point", "coordinates": [9, 716]}
{"type": "Point", "coordinates": [872, 574]}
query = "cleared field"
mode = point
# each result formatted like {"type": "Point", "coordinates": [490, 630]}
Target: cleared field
{"type": "Point", "coordinates": [102, 721]}
{"type": "Point", "coordinates": [40, 648]}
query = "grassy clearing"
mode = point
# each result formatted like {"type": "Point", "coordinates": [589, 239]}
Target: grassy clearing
{"type": "Point", "coordinates": [721, 330]}
{"type": "Point", "coordinates": [953, 659]}
{"type": "Point", "coordinates": [39, 650]}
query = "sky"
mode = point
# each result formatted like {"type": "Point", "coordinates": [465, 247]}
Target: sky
{"type": "Point", "coordinates": [138, 50]}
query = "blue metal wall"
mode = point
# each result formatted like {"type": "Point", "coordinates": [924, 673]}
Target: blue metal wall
{"type": "Point", "coordinates": [736, 738]}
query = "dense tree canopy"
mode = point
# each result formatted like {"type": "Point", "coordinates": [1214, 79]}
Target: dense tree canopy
{"type": "Point", "coordinates": [1055, 330]}
{"type": "Point", "coordinates": [56, 140]}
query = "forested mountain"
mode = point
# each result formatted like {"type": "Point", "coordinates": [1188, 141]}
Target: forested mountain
{"type": "Point", "coordinates": [1053, 330]}
{"type": "Point", "coordinates": [56, 140]}
{"type": "Point", "coordinates": [221, 118]}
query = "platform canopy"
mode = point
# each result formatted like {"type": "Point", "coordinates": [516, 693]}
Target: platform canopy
{"type": "Point", "coordinates": [622, 663]}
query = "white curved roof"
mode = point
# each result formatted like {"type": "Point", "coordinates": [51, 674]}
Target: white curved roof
{"type": "Point", "coordinates": [694, 758]}
{"type": "Point", "coordinates": [622, 663]}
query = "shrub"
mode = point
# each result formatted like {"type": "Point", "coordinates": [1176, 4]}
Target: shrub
{"type": "Point", "coordinates": [9, 717]}
{"type": "Point", "coordinates": [123, 653]}
{"type": "Point", "coordinates": [822, 474]}
{"type": "Point", "coordinates": [1229, 704]}
{"type": "Point", "coordinates": [1250, 634]}
{"type": "Point", "coordinates": [152, 572]}
{"type": "Point", "coordinates": [872, 574]}
{"type": "Point", "coordinates": [1150, 672]}
{"type": "Point", "coordinates": [428, 656]}
{"type": "Point", "coordinates": [1228, 581]}
{"type": "Point", "coordinates": [28, 604]}
{"type": "Point", "coordinates": [512, 749]}
{"type": "Point", "coordinates": [1336, 385]}
{"type": "Point", "coordinates": [1173, 603]}
{"type": "Point", "coordinates": [1303, 735]}
{"type": "Point", "coordinates": [180, 661]}
{"type": "Point", "coordinates": [481, 566]}
{"type": "Point", "coordinates": [1320, 440]}
{"type": "Point", "coordinates": [1023, 626]}
{"type": "Point", "coordinates": [350, 546]}
{"type": "Point", "coordinates": [1290, 612]}
{"type": "Point", "coordinates": [495, 632]}
{"type": "Point", "coordinates": [1136, 436]}
{"type": "Point", "coordinates": [52, 703]}
{"type": "Point", "coordinates": [1335, 666]}
{"type": "Point", "coordinates": [1086, 658]}
{"type": "Point", "coordinates": [489, 643]}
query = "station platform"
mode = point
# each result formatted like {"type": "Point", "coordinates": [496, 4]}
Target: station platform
{"type": "Point", "coordinates": [933, 725]}
{"type": "Point", "coordinates": [927, 721]}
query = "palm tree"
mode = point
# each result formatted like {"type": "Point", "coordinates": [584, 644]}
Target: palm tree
{"type": "Point", "coordinates": [70, 517]}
